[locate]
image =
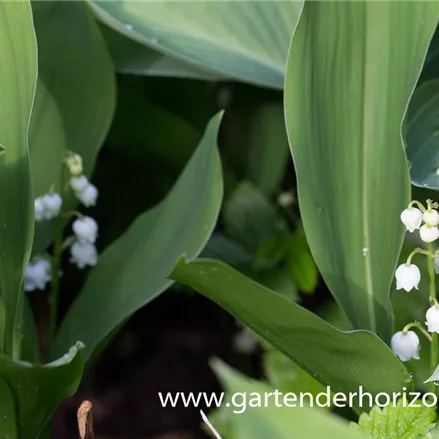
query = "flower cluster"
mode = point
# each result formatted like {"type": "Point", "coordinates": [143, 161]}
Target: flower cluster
{"type": "Point", "coordinates": [405, 344]}
{"type": "Point", "coordinates": [85, 229]}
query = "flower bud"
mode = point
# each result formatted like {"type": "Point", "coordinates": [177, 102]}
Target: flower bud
{"type": "Point", "coordinates": [85, 229]}
{"type": "Point", "coordinates": [432, 319]}
{"type": "Point", "coordinates": [405, 346]}
{"type": "Point", "coordinates": [431, 217]}
{"type": "Point", "coordinates": [411, 218]}
{"type": "Point", "coordinates": [88, 196]}
{"type": "Point", "coordinates": [78, 184]}
{"type": "Point", "coordinates": [74, 164]}
{"type": "Point", "coordinates": [407, 276]}
{"type": "Point", "coordinates": [428, 233]}
{"type": "Point", "coordinates": [83, 254]}
{"type": "Point", "coordinates": [52, 205]}
{"type": "Point", "coordinates": [39, 209]}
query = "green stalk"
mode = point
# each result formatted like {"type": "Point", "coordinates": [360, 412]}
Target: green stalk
{"type": "Point", "coordinates": [56, 267]}
{"type": "Point", "coordinates": [434, 356]}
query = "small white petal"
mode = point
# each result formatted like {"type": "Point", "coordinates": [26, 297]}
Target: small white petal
{"type": "Point", "coordinates": [432, 319]}
{"type": "Point", "coordinates": [83, 254]}
{"type": "Point", "coordinates": [407, 277]}
{"type": "Point", "coordinates": [39, 209]}
{"type": "Point", "coordinates": [78, 184]}
{"type": "Point", "coordinates": [37, 275]}
{"type": "Point", "coordinates": [405, 346]}
{"type": "Point", "coordinates": [85, 229]}
{"type": "Point", "coordinates": [428, 233]}
{"type": "Point", "coordinates": [411, 218]}
{"type": "Point", "coordinates": [431, 218]}
{"type": "Point", "coordinates": [52, 205]}
{"type": "Point", "coordinates": [88, 196]}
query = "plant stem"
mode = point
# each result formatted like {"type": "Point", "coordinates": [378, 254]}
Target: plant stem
{"type": "Point", "coordinates": [56, 266]}
{"type": "Point", "coordinates": [434, 356]}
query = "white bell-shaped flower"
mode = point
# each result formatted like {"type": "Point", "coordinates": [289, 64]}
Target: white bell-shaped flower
{"type": "Point", "coordinates": [411, 218]}
{"type": "Point", "coordinates": [88, 196]}
{"type": "Point", "coordinates": [39, 209]}
{"type": "Point", "coordinates": [407, 277]}
{"type": "Point", "coordinates": [405, 346]}
{"type": "Point", "coordinates": [432, 319]}
{"type": "Point", "coordinates": [74, 163]}
{"type": "Point", "coordinates": [52, 205]}
{"type": "Point", "coordinates": [78, 184]}
{"type": "Point", "coordinates": [83, 254]}
{"type": "Point", "coordinates": [85, 229]}
{"type": "Point", "coordinates": [428, 233]}
{"type": "Point", "coordinates": [37, 275]}
{"type": "Point", "coordinates": [431, 217]}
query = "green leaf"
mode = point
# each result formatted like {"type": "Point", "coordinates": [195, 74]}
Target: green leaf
{"type": "Point", "coordinates": [271, 421]}
{"type": "Point", "coordinates": [75, 97]}
{"type": "Point", "coordinates": [38, 390]}
{"type": "Point", "coordinates": [287, 376]}
{"type": "Point", "coordinates": [243, 40]}
{"type": "Point", "coordinates": [18, 75]}
{"type": "Point", "coordinates": [342, 360]}
{"type": "Point", "coordinates": [361, 60]}
{"type": "Point", "coordinates": [137, 59]}
{"type": "Point", "coordinates": [134, 269]}
{"type": "Point", "coordinates": [397, 422]}
{"type": "Point", "coordinates": [423, 135]}
{"type": "Point", "coordinates": [8, 416]}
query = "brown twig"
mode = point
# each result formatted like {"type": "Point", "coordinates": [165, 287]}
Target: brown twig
{"type": "Point", "coordinates": [85, 421]}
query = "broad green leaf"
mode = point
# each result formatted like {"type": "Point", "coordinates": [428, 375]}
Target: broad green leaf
{"type": "Point", "coordinates": [18, 76]}
{"type": "Point", "coordinates": [243, 40]}
{"type": "Point", "coordinates": [134, 269]}
{"type": "Point", "coordinates": [287, 376]}
{"type": "Point", "coordinates": [352, 67]}
{"type": "Point", "coordinates": [38, 389]}
{"type": "Point", "coordinates": [423, 135]}
{"type": "Point", "coordinates": [271, 421]}
{"type": "Point", "coordinates": [397, 422]}
{"type": "Point", "coordinates": [342, 360]}
{"type": "Point", "coordinates": [137, 59]}
{"type": "Point", "coordinates": [8, 416]}
{"type": "Point", "coordinates": [75, 96]}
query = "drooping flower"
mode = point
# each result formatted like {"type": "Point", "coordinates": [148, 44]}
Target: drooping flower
{"type": "Point", "coordinates": [428, 233]}
{"type": "Point", "coordinates": [405, 345]}
{"type": "Point", "coordinates": [83, 254]}
{"type": "Point", "coordinates": [411, 218]}
{"type": "Point", "coordinates": [78, 184]}
{"type": "Point", "coordinates": [39, 209]}
{"type": "Point", "coordinates": [432, 319]}
{"type": "Point", "coordinates": [52, 205]}
{"type": "Point", "coordinates": [431, 217]}
{"type": "Point", "coordinates": [74, 164]}
{"type": "Point", "coordinates": [407, 276]}
{"type": "Point", "coordinates": [85, 229]}
{"type": "Point", "coordinates": [37, 275]}
{"type": "Point", "coordinates": [88, 196]}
